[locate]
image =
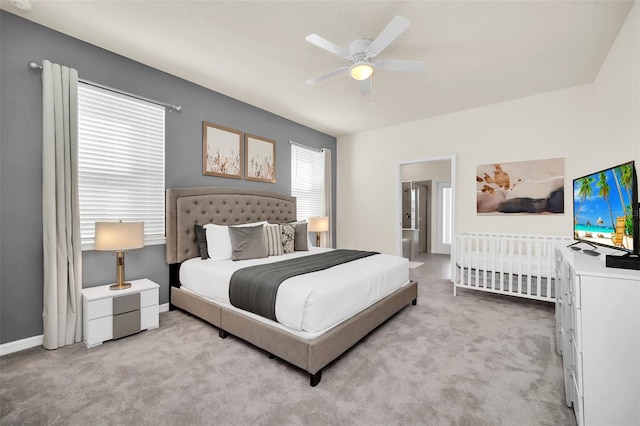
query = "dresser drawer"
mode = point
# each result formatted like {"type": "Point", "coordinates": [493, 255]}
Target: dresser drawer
{"type": "Point", "coordinates": [576, 328]}
{"type": "Point", "coordinates": [578, 405]}
{"type": "Point", "coordinates": [576, 368]}
{"type": "Point", "coordinates": [575, 291]}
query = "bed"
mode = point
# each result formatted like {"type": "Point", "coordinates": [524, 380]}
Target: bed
{"type": "Point", "coordinates": [310, 348]}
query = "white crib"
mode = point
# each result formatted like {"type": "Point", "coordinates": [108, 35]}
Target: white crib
{"type": "Point", "coordinates": [516, 265]}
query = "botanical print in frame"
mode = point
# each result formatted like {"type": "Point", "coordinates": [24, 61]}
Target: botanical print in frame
{"type": "Point", "coordinates": [221, 151]}
{"type": "Point", "coordinates": [524, 187]}
{"type": "Point", "coordinates": [260, 160]}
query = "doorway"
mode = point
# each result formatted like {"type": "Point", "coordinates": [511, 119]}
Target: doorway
{"type": "Point", "coordinates": [434, 181]}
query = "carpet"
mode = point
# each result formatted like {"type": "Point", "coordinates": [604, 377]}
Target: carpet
{"type": "Point", "coordinates": [414, 265]}
{"type": "Point", "coordinates": [475, 359]}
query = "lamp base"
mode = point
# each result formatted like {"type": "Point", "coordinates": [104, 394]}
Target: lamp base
{"type": "Point", "coordinates": [120, 286]}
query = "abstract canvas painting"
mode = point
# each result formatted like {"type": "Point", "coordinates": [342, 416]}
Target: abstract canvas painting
{"type": "Point", "coordinates": [523, 187]}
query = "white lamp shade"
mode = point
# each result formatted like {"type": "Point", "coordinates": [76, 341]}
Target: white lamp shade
{"type": "Point", "coordinates": [361, 71]}
{"type": "Point", "coordinates": [318, 224]}
{"type": "Point", "coordinates": [119, 235]}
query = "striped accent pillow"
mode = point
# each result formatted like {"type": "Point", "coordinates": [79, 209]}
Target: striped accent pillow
{"type": "Point", "coordinates": [274, 239]}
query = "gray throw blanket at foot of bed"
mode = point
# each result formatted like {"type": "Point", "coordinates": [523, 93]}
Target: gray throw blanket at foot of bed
{"type": "Point", "coordinates": [254, 288]}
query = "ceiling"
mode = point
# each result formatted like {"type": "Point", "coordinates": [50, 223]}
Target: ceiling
{"type": "Point", "coordinates": [477, 52]}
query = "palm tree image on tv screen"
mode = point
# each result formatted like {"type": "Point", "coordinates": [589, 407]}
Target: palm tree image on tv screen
{"type": "Point", "coordinates": [603, 207]}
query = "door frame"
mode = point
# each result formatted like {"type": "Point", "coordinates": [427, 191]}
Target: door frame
{"type": "Point", "coordinates": [398, 185]}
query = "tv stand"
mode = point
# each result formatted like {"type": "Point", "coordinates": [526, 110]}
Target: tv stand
{"type": "Point", "coordinates": [626, 261]}
{"type": "Point", "coordinates": [592, 252]}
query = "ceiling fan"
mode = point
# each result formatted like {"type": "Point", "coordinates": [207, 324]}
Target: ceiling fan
{"type": "Point", "coordinates": [360, 52]}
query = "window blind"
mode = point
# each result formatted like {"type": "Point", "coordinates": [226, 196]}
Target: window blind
{"type": "Point", "coordinates": [120, 162]}
{"type": "Point", "coordinates": [306, 172]}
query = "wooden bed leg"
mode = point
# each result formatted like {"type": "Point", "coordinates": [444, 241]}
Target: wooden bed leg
{"type": "Point", "coordinates": [315, 378]}
{"type": "Point", "coordinates": [223, 334]}
{"type": "Point", "coordinates": [414, 302]}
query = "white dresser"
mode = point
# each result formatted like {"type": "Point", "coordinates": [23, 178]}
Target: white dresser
{"type": "Point", "coordinates": [598, 335]}
{"type": "Point", "coordinates": [111, 314]}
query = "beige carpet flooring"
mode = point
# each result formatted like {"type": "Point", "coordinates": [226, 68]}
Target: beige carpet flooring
{"type": "Point", "coordinates": [475, 359]}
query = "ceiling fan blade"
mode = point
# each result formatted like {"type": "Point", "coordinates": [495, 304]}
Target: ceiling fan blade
{"type": "Point", "coordinates": [397, 65]}
{"type": "Point", "coordinates": [327, 45]}
{"type": "Point", "coordinates": [396, 27]}
{"type": "Point", "coordinates": [365, 87]}
{"type": "Point", "coordinates": [327, 75]}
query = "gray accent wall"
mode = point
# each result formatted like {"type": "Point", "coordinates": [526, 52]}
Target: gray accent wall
{"type": "Point", "coordinates": [21, 269]}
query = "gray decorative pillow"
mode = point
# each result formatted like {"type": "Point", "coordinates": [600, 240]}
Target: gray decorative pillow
{"type": "Point", "coordinates": [288, 233]}
{"type": "Point", "coordinates": [301, 240]}
{"type": "Point", "coordinates": [201, 241]}
{"type": "Point", "coordinates": [274, 239]}
{"type": "Point", "coordinates": [248, 242]}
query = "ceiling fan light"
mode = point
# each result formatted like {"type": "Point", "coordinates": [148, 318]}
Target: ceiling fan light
{"type": "Point", "coordinates": [361, 71]}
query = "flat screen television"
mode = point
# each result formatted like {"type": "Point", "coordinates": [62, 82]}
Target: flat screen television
{"type": "Point", "coordinates": [605, 208]}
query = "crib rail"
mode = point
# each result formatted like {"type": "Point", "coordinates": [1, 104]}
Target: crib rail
{"type": "Point", "coordinates": [517, 265]}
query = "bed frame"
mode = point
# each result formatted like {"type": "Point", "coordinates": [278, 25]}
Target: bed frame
{"type": "Point", "coordinates": [186, 207]}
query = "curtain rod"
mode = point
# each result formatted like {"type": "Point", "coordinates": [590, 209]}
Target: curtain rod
{"type": "Point", "coordinates": [305, 146]}
{"type": "Point", "coordinates": [36, 66]}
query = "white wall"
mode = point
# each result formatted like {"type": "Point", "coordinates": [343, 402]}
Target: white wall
{"type": "Point", "coordinates": [617, 94]}
{"type": "Point", "coordinates": [580, 124]}
{"type": "Point", "coordinates": [436, 170]}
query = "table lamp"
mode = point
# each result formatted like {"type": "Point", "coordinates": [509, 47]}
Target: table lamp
{"type": "Point", "coordinates": [118, 237]}
{"type": "Point", "coordinates": [318, 224]}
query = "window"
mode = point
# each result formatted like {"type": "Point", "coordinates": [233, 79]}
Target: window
{"type": "Point", "coordinates": [306, 175]}
{"type": "Point", "coordinates": [446, 215]}
{"type": "Point", "coordinates": [120, 162]}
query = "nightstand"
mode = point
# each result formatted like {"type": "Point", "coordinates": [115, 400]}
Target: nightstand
{"type": "Point", "coordinates": [112, 314]}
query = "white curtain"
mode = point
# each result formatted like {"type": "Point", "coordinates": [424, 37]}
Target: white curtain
{"type": "Point", "coordinates": [326, 239]}
{"type": "Point", "coordinates": [62, 310]}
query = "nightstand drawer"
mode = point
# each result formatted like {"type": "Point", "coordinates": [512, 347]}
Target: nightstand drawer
{"type": "Point", "coordinates": [149, 317]}
{"type": "Point", "coordinates": [98, 330]}
{"type": "Point", "coordinates": [149, 297]}
{"type": "Point", "coordinates": [126, 324]}
{"type": "Point", "coordinates": [99, 308]}
{"type": "Point", "coordinates": [128, 303]}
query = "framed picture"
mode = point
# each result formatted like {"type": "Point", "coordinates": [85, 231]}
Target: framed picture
{"type": "Point", "coordinates": [260, 160]}
{"type": "Point", "coordinates": [221, 151]}
{"type": "Point", "coordinates": [522, 187]}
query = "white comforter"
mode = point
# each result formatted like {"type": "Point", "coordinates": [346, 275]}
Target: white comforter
{"type": "Point", "coordinates": [312, 302]}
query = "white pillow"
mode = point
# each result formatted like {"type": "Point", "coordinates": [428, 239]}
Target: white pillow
{"type": "Point", "coordinates": [219, 241]}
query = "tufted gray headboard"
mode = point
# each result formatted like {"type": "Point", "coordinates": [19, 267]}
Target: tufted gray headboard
{"type": "Point", "coordinates": [186, 207]}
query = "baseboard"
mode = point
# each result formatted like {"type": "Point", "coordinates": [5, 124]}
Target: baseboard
{"type": "Point", "coordinates": [32, 342]}
{"type": "Point", "coordinates": [20, 345]}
